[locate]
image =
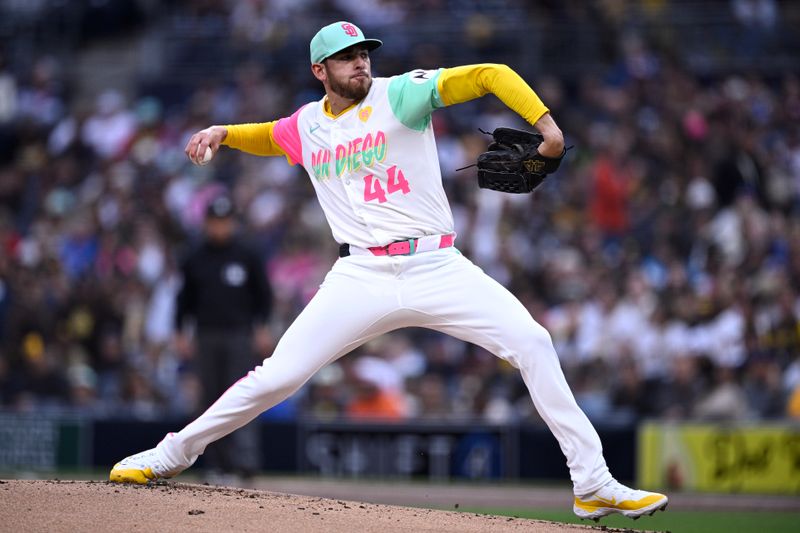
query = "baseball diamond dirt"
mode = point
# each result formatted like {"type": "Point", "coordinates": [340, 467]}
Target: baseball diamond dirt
{"type": "Point", "coordinates": [95, 506]}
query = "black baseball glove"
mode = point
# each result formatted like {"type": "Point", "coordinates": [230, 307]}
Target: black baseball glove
{"type": "Point", "coordinates": [513, 163]}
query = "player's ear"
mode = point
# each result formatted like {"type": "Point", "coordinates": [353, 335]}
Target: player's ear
{"type": "Point", "coordinates": [319, 72]}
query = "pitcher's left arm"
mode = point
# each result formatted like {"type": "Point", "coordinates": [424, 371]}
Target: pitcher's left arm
{"type": "Point", "coordinates": [465, 83]}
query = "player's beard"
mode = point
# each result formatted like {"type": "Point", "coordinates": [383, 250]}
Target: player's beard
{"type": "Point", "coordinates": [353, 88]}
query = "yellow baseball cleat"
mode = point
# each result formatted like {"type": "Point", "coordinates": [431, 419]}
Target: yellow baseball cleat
{"type": "Point", "coordinates": [614, 497]}
{"type": "Point", "coordinates": [120, 474]}
{"type": "Point", "coordinates": [139, 468]}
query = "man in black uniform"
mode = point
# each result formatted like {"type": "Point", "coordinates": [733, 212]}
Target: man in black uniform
{"type": "Point", "coordinates": [227, 294]}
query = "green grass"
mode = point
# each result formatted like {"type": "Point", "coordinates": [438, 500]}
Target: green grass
{"type": "Point", "coordinates": [674, 521]}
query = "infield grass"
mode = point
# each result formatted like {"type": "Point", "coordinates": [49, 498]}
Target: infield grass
{"type": "Point", "coordinates": [673, 521]}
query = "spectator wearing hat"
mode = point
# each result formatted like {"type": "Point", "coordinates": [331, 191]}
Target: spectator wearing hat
{"type": "Point", "coordinates": [226, 294]}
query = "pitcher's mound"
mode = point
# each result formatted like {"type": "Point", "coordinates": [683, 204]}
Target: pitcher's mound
{"type": "Point", "coordinates": [68, 506]}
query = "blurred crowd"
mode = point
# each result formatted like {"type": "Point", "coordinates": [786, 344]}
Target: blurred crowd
{"type": "Point", "coordinates": [663, 257]}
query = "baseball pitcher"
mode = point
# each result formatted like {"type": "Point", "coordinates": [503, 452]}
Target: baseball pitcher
{"type": "Point", "coordinates": [369, 150]}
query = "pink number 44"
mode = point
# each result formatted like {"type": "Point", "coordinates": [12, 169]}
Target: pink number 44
{"type": "Point", "coordinates": [373, 190]}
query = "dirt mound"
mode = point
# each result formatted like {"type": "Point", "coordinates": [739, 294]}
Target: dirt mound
{"type": "Point", "coordinates": [57, 506]}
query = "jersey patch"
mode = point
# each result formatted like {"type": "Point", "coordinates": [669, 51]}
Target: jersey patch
{"type": "Point", "coordinates": [420, 76]}
{"type": "Point", "coordinates": [413, 96]}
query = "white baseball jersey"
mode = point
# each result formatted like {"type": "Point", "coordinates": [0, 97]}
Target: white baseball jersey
{"type": "Point", "coordinates": [371, 191]}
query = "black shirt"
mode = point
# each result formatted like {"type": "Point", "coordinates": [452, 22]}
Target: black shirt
{"type": "Point", "coordinates": [224, 286]}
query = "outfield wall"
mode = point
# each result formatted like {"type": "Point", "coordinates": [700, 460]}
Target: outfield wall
{"type": "Point", "coordinates": [420, 450]}
{"type": "Point", "coordinates": [702, 457]}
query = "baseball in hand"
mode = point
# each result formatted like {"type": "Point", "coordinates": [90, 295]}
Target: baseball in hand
{"type": "Point", "coordinates": [206, 156]}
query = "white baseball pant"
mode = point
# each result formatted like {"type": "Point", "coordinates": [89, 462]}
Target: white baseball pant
{"type": "Point", "coordinates": [363, 297]}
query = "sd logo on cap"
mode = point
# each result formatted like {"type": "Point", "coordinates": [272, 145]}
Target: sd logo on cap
{"type": "Point", "coordinates": [336, 37]}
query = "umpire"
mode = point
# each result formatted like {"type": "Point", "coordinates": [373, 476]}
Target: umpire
{"type": "Point", "coordinates": [227, 295]}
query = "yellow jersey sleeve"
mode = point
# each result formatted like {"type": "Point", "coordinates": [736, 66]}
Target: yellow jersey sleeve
{"type": "Point", "coordinates": [461, 84]}
{"type": "Point", "coordinates": [256, 139]}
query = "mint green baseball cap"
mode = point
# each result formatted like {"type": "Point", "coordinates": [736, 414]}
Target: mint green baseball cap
{"type": "Point", "coordinates": [336, 37]}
